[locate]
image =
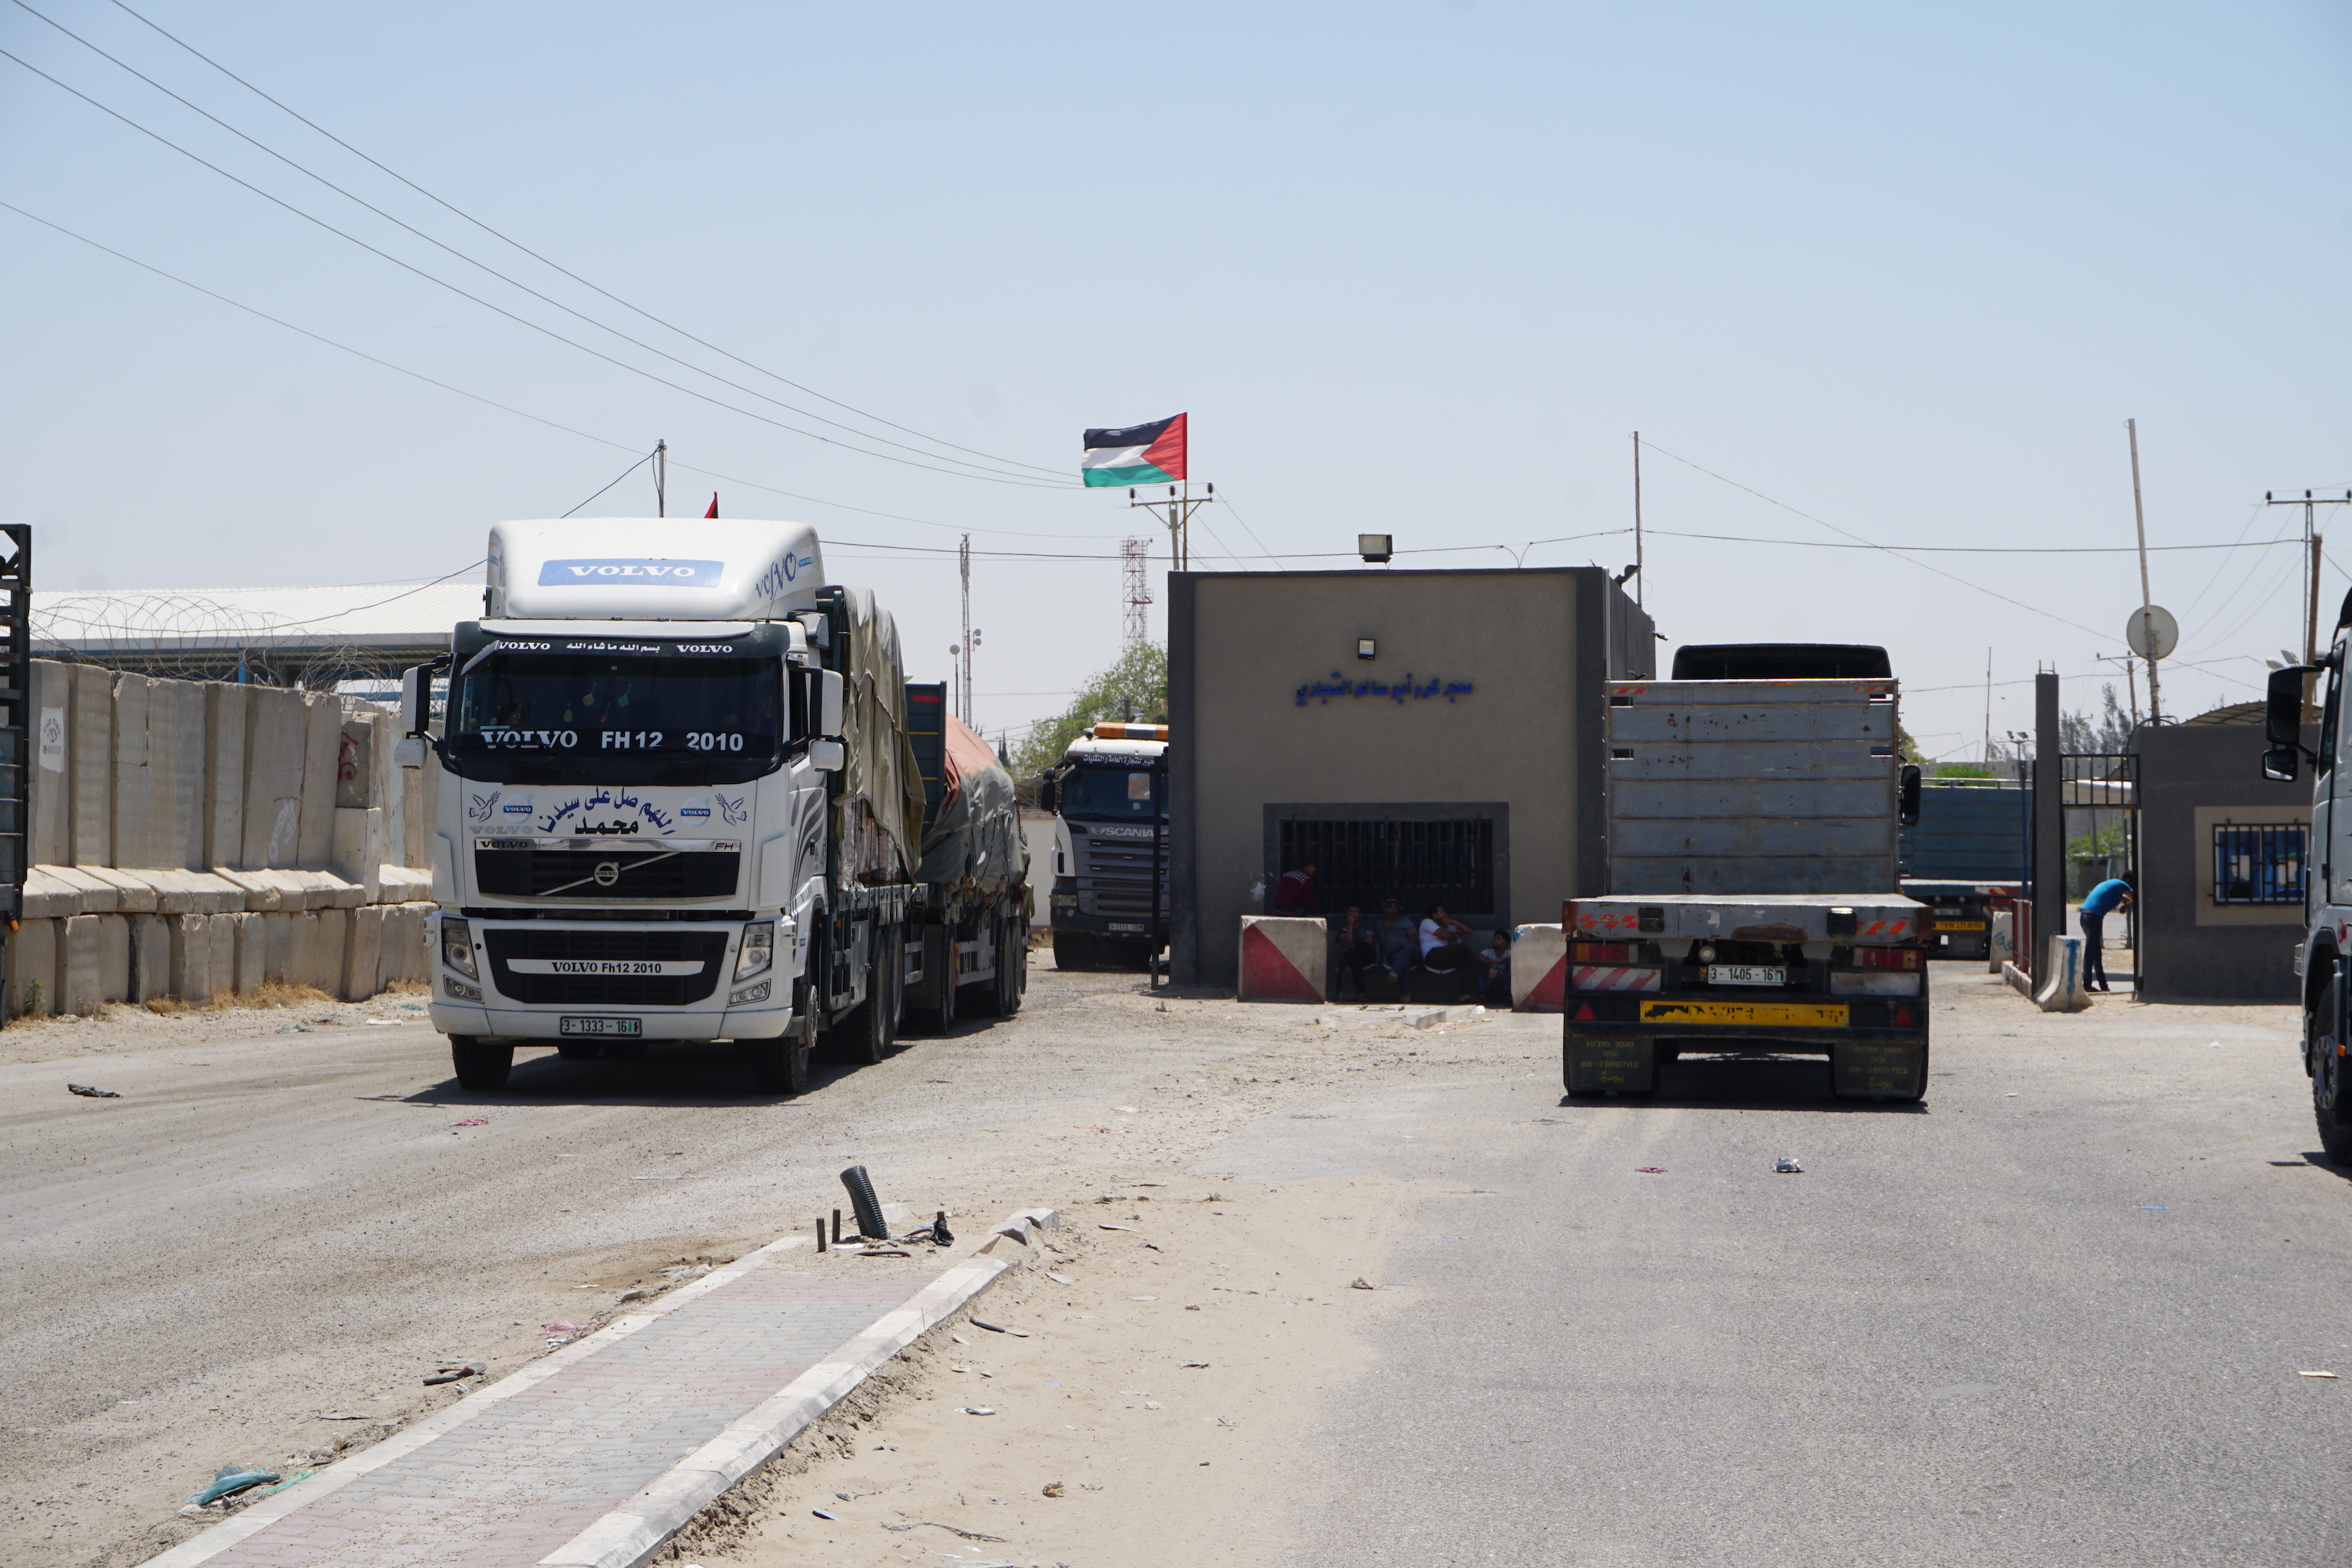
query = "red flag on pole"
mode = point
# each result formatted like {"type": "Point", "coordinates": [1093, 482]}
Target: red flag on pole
{"type": "Point", "coordinates": [714, 505]}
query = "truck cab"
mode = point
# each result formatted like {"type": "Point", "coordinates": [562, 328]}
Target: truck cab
{"type": "Point", "coordinates": [1108, 904]}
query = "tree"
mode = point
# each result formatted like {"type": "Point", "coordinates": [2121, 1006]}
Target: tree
{"type": "Point", "coordinates": [2108, 731]}
{"type": "Point", "coordinates": [1135, 687]}
{"type": "Point", "coordinates": [1963, 771]}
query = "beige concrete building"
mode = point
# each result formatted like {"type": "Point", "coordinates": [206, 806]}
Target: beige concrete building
{"type": "Point", "coordinates": [1434, 736]}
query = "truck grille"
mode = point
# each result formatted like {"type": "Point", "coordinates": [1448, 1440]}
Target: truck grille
{"type": "Point", "coordinates": [708, 947]}
{"type": "Point", "coordinates": [1114, 877]}
{"type": "Point", "coordinates": [582, 874]}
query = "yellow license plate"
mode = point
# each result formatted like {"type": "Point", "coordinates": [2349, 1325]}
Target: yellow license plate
{"type": "Point", "coordinates": [1959, 925]}
{"type": "Point", "coordinates": [1813, 1014]}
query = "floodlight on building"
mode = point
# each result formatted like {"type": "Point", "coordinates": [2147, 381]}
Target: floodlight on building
{"type": "Point", "coordinates": [1367, 649]}
{"type": "Point", "coordinates": [1375, 548]}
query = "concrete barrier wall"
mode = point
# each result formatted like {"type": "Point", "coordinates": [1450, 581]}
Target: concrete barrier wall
{"type": "Point", "coordinates": [198, 839]}
{"type": "Point", "coordinates": [1538, 969]}
{"type": "Point", "coordinates": [1282, 958]}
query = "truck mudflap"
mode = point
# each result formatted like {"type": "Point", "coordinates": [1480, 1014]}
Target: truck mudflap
{"type": "Point", "coordinates": [1864, 1064]}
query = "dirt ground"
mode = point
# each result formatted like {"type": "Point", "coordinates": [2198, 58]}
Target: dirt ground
{"type": "Point", "coordinates": [123, 1029]}
{"type": "Point", "coordinates": [1177, 1338]}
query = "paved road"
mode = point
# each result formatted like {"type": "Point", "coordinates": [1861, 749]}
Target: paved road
{"type": "Point", "coordinates": [2056, 1316]}
{"type": "Point", "coordinates": [268, 1229]}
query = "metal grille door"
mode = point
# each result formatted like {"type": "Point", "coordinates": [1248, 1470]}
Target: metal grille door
{"type": "Point", "coordinates": [1416, 863]}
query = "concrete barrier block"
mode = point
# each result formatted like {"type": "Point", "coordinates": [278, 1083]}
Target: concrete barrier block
{"type": "Point", "coordinates": [150, 957]}
{"type": "Point", "coordinates": [359, 849]}
{"type": "Point", "coordinates": [2061, 980]}
{"type": "Point", "coordinates": [50, 896]}
{"type": "Point", "coordinates": [98, 893]}
{"type": "Point", "coordinates": [193, 977]}
{"type": "Point", "coordinates": [183, 892]}
{"type": "Point", "coordinates": [334, 935]}
{"type": "Point", "coordinates": [49, 778]}
{"type": "Point", "coordinates": [247, 958]}
{"type": "Point", "coordinates": [132, 895]}
{"type": "Point", "coordinates": [1283, 958]}
{"type": "Point", "coordinates": [402, 885]}
{"type": "Point", "coordinates": [277, 947]}
{"type": "Point", "coordinates": [136, 839]}
{"type": "Point", "coordinates": [405, 929]}
{"type": "Point", "coordinates": [363, 953]}
{"type": "Point", "coordinates": [260, 894]}
{"type": "Point", "coordinates": [2001, 940]}
{"type": "Point", "coordinates": [226, 709]}
{"type": "Point", "coordinates": [322, 751]}
{"type": "Point", "coordinates": [1538, 969]}
{"type": "Point", "coordinates": [355, 781]}
{"type": "Point", "coordinates": [113, 957]}
{"type": "Point", "coordinates": [177, 746]}
{"type": "Point", "coordinates": [32, 963]}
{"type": "Point", "coordinates": [275, 730]}
{"type": "Point", "coordinates": [80, 974]}
{"type": "Point", "coordinates": [302, 962]}
{"type": "Point", "coordinates": [89, 751]}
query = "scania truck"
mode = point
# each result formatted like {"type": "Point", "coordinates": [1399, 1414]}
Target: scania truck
{"type": "Point", "coordinates": [679, 801]}
{"type": "Point", "coordinates": [2290, 859]}
{"type": "Point", "coordinates": [1109, 903]}
{"type": "Point", "coordinates": [1752, 901]}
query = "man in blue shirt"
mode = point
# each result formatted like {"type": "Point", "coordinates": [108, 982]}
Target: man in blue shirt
{"type": "Point", "coordinates": [2101, 902]}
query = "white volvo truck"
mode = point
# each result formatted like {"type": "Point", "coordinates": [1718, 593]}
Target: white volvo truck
{"type": "Point", "coordinates": [679, 802]}
{"type": "Point", "coordinates": [2278, 863]}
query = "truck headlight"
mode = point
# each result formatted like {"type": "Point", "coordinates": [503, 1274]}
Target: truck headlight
{"type": "Point", "coordinates": [457, 948]}
{"type": "Point", "coordinates": [758, 949]}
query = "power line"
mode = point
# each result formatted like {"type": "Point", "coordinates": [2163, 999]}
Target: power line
{"type": "Point", "coordinates": [1967, 549]}
{"type": "Point", "coordinates": [1833, 528]}
{"type": "Point", "coordinates": [505, 408]}
{"type": "Point", "coordinates": [623, 473]}
{"type": "Point", "coordinates": [584, 282]}
{"type": "Point", "coordinates": [510, 315]}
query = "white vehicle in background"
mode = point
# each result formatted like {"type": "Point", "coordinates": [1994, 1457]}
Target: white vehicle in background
{"type": "Point", "coordinates": [679, 802]}
{"type": "Point", "coordinates": [1108, 904]}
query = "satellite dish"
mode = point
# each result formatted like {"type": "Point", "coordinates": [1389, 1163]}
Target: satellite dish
{"type": "Point", "coordinates": [2152, 632]}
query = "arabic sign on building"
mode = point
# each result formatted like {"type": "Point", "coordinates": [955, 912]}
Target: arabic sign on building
{"type": "Point", "coordinates": [1321, 692]}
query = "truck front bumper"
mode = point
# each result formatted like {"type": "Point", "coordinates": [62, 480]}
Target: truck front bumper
{"type": "Point", "coordinates": [508, 1022]}
{"type": "Point", "coordinates": [464, 1003]}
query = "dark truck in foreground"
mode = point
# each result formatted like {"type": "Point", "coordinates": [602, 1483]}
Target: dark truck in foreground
{"type": "Point", "coordinates": [1753, 899]}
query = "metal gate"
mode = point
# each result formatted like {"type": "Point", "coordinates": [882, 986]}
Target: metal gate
{"type": "Point", "coordinates": [2098, 793]}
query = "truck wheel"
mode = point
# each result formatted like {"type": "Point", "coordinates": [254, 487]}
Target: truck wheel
{"type": "Point", "coordinates": [1075, 951]}
{"type": "Point", "coordinates": [481, 1068]}
{"type": "Point", "coordinates": [2331, 1080]}
{"type": "Point", "coordinates": [939, 961]}
{"type": "Point", "coordinates": [868, 1034]}
{"type": "Point", "coordinates": [780, 1066]}
{"type": "Point", "coordinates": [1012, 967]}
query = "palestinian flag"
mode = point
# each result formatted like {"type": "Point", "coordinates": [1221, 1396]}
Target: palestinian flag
{"type": "Point", "coordinates": [1139, 455]}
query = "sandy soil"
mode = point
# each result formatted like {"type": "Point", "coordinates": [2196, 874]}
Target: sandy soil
{"type": "Point", "coordinates": [120, 1028]}
{"type": "Point", "coordinates": [1177, 1339]}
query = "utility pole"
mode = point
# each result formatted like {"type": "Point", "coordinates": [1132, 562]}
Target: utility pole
{"type": "Point", "coordinates": [2311, 550]}
{"type": "Point", "coordinates": [661, 478]}
{"type": "Point", "coordinates": [963, 690]}
{"type": "Point", "coordinates": [2148, 622]}
{"type": "Point", "coordinates": [1179, 519]}
{"type": "Point", "coordinates": [1637, 522]}
{"type": "Point", "coordinates": [1988, 734]}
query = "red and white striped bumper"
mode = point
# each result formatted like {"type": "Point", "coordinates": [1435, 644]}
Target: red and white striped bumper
{"type": "Point", "coordinates": [1613, 977]}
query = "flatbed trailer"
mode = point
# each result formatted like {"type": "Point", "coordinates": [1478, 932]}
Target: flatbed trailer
{"type": "Point", "coordinates": [1752, 899]}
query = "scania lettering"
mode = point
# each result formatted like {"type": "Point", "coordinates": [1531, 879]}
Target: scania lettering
{"type": "Point", "coordinates": [679, 802]}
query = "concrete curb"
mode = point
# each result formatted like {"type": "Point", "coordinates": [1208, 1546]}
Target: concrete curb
{"type": "Point", "coordinates": [630, 1535]}
{"type": "Point", "coordinates": [201, 1548]}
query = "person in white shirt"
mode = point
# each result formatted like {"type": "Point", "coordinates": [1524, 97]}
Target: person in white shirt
{"type": "Point", "coordinates": [1443, 945]}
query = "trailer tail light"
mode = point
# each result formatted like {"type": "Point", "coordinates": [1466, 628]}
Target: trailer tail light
{"type": "Point", "coordinates": [1601, 952]}
{"type": "Point", "coordinates": [1886, 958]}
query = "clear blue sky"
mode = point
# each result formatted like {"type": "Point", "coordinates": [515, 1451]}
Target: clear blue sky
{"type": "Point", "coordinates": [1416, 269]}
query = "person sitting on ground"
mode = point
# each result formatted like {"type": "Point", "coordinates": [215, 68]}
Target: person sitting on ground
{"type": "Point", "coordinates": [2109, 897]}
{"type": "Point", "coordinates": [1399, 938]}
{"type": "Point", "coordinates": [1495, 971]}
{"type": "Point", "coordinates": [1444, 946]}
{"type": "Point", "coordinates": [1294, 894]}
{"type": "Point", "coordinates": [1360, 950]}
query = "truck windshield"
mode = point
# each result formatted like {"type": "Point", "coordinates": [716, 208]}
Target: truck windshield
{"type": "Point", "coordinates": [1114, 794]}
{"type": "Point", "coordinates": [652, 716]}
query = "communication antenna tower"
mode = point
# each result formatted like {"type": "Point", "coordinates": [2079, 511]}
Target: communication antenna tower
{"type": "Point", "coordinates": [1133, 556]}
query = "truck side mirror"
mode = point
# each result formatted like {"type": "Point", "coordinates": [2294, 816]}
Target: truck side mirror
{"type": "Point", "coordinates": [2283, 708]}
{"type": "Point", "coordinates": [826, 756]}
{"type": "Point", "coordinates": [1907, 796]}
{"type": "Point", "coordinates": [2278, 764]}
{"type": "Point", "coordinates": [1046, 794]}
{"type": "Point", "coordinates": [416, 688]}
{"type": "Point", "coordinates": [830, 693]}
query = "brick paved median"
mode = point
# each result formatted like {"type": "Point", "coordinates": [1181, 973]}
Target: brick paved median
{"type": "Point", "coordinates": [540, 1457]}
